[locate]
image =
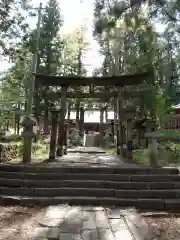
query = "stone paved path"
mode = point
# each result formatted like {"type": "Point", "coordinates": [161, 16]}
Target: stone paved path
{"type": "Point", "coordinates": [95, 157]}
{"type": "Point", "coordinates": [87, 223]}
{"type": "Point", "coordinates": [87, 149]}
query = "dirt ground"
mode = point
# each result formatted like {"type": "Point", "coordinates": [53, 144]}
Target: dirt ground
{"type": "Point", "coordinates": [16, 222]}
{"type": "Point", "coordinates": [165, 227]}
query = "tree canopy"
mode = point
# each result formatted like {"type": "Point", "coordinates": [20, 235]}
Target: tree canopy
{"type": "Point", "coordinates": [141, 36]}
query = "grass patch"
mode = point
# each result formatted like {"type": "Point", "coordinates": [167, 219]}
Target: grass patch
{"type": "Point", "coordinates": [111, 152]}
{"type": "Point", "coordinates": [168, 155]}
{"type": "Point", "coordinates": [142, 156]}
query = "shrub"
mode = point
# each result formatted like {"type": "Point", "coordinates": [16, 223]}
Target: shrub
{"type": "Point", "coordinates": [14, 150]}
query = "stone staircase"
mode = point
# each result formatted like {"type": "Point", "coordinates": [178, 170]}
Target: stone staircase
{"type": "Point", "coordinates": [141, 187]}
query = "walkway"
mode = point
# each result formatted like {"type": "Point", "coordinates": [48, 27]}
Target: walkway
{"type": "Point", "coordinates": [65, 222]}
{"type": "Point", "coordinates": [87, 149]}
{"type": "Point", "coordinates": [89, 223]}
{"type": "Point", "coordinates": [90, 157]}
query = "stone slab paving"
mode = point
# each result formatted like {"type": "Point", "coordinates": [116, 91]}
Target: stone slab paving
{"type": "Point", "coordinates": [87, 149]}
{"type": "Point", "coordinates": [89, 223]}
{"type": "Point", "coordinates": [91, 160]}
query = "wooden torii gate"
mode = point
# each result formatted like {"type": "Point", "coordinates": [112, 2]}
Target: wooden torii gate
{"type": "Point", "coordinates": [117, 82]}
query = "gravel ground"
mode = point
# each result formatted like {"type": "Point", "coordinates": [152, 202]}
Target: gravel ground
{"type": "Point", "coordinates": [16, 222]}
{"type": "Point", "coordinates": [165, 228]}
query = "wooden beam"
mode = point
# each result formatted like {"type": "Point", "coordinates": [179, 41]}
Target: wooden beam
{"type": "Point", "coordinates": [98, 95]}
{"type": "Point", "coordinates": [125, 110]}
{"type": "Point", "coordinates": [122, 80]}
{"type": "Point", "coordinates": [87, 95]}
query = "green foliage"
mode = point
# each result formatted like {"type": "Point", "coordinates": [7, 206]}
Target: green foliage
{"type": "Point", "coordinates": [172, 150]}
{"type": "Point", "coordinates": [13, 150]}
{"type": "Point", "coordinates": [133, 44]}
{"type": "Point", "coordinates": [162, 107]}
{"type": "Point", "coordinates": [141, 156]}
{"type": "Point", "coordinates": [13, 25]}
{"type": "Point", "coordinates": [75, 46]}
{"type": "Point", "coordinates": [50, 42]}
{"type": "Point", "coordinates": [56, 55]}
{"type": "Point", "coordinates": [168, 154]}
{"type": "Point", "coordinates": [128, 39]}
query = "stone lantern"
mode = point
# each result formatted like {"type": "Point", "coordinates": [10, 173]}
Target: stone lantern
{"type": "Point", "coordinates": [28, 133]}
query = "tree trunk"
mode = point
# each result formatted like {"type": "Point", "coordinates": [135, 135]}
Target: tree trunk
{"type": "Point", "coordinates": [120, 129]}
{"type": "Point", "coordinates": [61, 135]}
{"type": "Point", "coordinates": [37, 103]}
{"type": "Point", "coordinates": [15, 124]}
{"type": "Point", "coordinates": [18, 125]}
{"type": "Point", "coordinates": [106, 115]}
{"type": "Point", "coordinates": [77, 113]}
{"type": "Point", "coordinates": [52, 153]}
{"type": "Point", "coordinates": [101, 124]}
{"type": "Point", "coordinates": [81, 122]}
{"type": "Point", "coordinates": [7, 125]}
{"type": "Point", "coordinates": [69, 111]}
{"type": "Point", "coordinates": [18, 119]}
{"type": "Point", "coordinates": [46, 117]}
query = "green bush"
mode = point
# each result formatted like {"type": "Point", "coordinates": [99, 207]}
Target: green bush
{"type": "Point", "coordinates": [168, 153]}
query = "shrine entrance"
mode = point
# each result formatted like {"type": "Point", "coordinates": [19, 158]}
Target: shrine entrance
{"type": "Point", "coordinates": [115, 92]}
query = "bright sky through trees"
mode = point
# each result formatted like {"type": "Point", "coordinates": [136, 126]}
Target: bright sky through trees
{"type": "Point", "coordinates": [76, 13]}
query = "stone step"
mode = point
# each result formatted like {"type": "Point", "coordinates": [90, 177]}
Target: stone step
{"type": "Point", "coordinates": [4, 182]}
{"type": "Point", "coordinates": [157, 178]}
{"type": "Point", "coordinates": [148, 194]}
{"type": "Point", "coordinates": [101, 170]}
{"type": "Point", "coordinates": [91, 192]}
{"type": "Point", "coordinates": [65, 176]}
{"type": "Point", "coordinates": [90, 176]}
{"type": "Point", "coordinates": [86, 151]}
{"type": "Point", "coordinates": [145, 204]}
{"type": "Point", "coordinates": [55, 192]}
